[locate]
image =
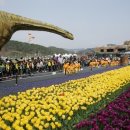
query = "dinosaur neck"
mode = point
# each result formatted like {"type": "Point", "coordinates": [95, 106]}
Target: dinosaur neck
{"type": "Point", "coordinates": [28, 25]}
{"type": "Point", "coordinates": [22, 23]}
{"type": "Point", "coordinates": [10, 23]}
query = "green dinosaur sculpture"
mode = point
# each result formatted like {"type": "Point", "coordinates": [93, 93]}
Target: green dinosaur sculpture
{"type": "Point", "coordinates": [10, 23]}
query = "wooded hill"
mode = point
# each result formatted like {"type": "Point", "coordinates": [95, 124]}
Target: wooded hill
{"type": "Point", "coordinates": [18, 49]}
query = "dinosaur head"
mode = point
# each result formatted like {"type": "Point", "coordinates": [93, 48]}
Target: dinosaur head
{"type": "Point", "coordinates": [68, 35]}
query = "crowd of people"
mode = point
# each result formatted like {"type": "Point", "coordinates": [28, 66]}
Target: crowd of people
{"type": "Point", "coordinates": [22, 66]}
{"type": "Point", "coordinates": [12, 67]}
{"type": "Point", "coordinates": [104, 62]}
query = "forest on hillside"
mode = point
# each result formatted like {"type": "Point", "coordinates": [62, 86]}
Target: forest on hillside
{"type": "Point", "coordinates": [18, 49]}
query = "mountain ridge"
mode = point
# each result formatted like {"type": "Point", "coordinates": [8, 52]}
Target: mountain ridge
{"type": "Point", "coordinates": [18, 49]}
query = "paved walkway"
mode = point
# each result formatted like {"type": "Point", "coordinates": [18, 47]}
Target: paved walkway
{"type": "Point", "coordinates": [9, 87]}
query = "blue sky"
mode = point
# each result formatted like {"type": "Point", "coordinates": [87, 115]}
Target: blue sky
{"type": "Point", "coordinates": [92, 22]}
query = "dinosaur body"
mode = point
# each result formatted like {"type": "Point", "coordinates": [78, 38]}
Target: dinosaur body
{"type": "Point", "coordinates": [10, 23]}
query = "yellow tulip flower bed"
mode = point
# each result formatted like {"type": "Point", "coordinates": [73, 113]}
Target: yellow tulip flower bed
{"type": "Point", "coordinates": [56, 106]}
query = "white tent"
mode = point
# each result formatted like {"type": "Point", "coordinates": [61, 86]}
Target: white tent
{"type": "Point", "coordinates": [128, 52]}
{"type": "Point", "coordinates": [74, 54]}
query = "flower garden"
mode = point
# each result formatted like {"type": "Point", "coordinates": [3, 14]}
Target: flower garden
{"type": "Point", "coordinates": [87, 103]}
{"type": "Point", "coordinates": [115, 115]}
